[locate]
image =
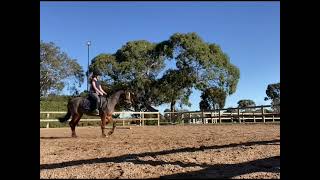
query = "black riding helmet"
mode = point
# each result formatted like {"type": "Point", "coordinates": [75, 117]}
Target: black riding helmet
{"type": "Point", "coordinates": [96, 72]}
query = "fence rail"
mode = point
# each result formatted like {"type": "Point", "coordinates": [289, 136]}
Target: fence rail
{"type": "Point", "coordinates": [141, 118]}
{"type": "Point", "coordinates": [196, 117]}
{"type": "Point", "coordinates": [191, 117]}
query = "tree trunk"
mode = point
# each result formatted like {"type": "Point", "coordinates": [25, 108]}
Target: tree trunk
{"type": "Point", "coordinates": [172, 109]}
{"type": "Point", "coordinates": [172, 106]}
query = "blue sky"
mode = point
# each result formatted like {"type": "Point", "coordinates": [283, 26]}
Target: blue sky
{"type": "Point", "coordinates": [249, 32]}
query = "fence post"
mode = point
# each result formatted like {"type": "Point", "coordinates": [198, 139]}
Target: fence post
{"type": "Point", "coordinates": [254, 117]}
{"type": "Point", "coordinates": [239, 114]}
{"type": "Point", "coordinates": [263, 114]}
{"type": "Point", "coordinates": [158, 118]}
{"type": "Point", "coordinates": [140, 118]}
{"type": "Point", "coordinates": [243, 116]}
{"type": "Point", "coordinates": [212, 115]}
{"type": "Point", "coordinates": [219, 116]}
{"type": "Point", "coordinates": [273, 118]}
{"type": "Point", "coordinates": [182, 118]}
{"type": "Point", "coordinates": [203, 122]}
{"type": "Point", "coordinates": [231, 114]}
{"type": "Point", "coordinates": [192, 120]}
{"type": "Point", "coordinates": [48, 115]}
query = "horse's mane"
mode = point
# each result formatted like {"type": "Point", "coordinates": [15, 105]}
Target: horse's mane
{"type": "Point", "coordinates": [113, 94]}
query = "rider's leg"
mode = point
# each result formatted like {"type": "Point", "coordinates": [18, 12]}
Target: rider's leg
{"type": "Point", "coordinates": [96, 103]}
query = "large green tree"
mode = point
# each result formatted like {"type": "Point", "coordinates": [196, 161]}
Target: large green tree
{"type": "Point", "coordinates": [208, 64]}
{"type": "Point", "coordinates": [212, 98]}
{"type": "Point", "coordinates": [175, 85]}
{"type": "Point", "coordinates": [135, 65]}
{"type": "Point", "coordinates": [140, 65]}
{"type": "Point", "coordinates": [246, 103]}
{"type": "Point", "coordinates": [209, 68]}
{"type": "Point", "coordinates": [273, 94]}
{"type": "Point", "coordinates": [58, 70]}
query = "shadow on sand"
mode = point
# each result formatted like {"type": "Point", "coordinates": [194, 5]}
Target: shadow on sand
{"type": "Point", "coordinates": [271, 164]}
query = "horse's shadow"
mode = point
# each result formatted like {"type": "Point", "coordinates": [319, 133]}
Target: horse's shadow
{"type": "Point", "coordinates": [271, 164]}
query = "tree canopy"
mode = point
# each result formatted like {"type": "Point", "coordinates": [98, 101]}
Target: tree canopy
{"type": "Point", "coordinates": [273, 93]}
{"type": "Point", "coordinates": [212, 98]}
{"type": "Point", "coordinates": [58, 70]}
{"type": "Point", "coordinates": [140, 66]}
{"type": "Point", "coordinates": [246, 103]}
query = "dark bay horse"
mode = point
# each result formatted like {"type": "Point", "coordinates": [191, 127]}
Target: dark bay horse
{"type": "Point", "coordinates": [76, 110]}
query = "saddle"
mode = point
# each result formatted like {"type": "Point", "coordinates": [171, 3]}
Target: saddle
{"type": "Point", "coordinates": [88, 102]}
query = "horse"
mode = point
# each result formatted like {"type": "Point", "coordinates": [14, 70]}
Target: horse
{"type": "Point", "coordinates": [76, 110]}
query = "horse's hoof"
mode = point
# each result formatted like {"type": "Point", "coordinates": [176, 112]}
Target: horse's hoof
{"type": "Point", "coordinates": [74, 136]}
{"type": "Point", "coordinates": [109, 133]}
{"type": "Point", "coordinates": [104, 136]}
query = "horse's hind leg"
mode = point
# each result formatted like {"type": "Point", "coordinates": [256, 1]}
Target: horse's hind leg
{"type": "Point", "coordinates": [78, 119]}
{"type": "Point", "coordinates": [103, 124]}
{"type": "Point", "coordinates": [74, 121]}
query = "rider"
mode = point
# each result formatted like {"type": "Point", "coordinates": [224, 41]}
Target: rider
{"type": "Point", "coordinates": [95, 90]}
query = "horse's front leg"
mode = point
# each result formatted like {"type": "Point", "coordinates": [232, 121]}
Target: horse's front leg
{"type": "Point", "coordinates": [110, 120]}
{"type": "Point", "coordinates": [103, 124]}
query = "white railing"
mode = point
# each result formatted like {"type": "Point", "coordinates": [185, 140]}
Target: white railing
{"type": "Point", "coordinates": [194, 117]}
{"type": "Point", "coordinates": [141, 118]}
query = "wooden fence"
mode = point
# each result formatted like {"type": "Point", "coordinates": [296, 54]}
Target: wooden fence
{"type": "Point", "coordinates": [256, 114]}
{"type": "Point", "coordinates": [141, 118]}
{"type": "Point", "coordinates": [250, 114]}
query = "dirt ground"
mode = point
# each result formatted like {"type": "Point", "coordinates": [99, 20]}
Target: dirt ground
{"type": "Point", "coordinates": [170, 152]}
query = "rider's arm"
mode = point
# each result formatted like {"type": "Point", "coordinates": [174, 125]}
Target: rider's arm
{"type": "Point", "coordinates": [95, 87]}
{"type": "Point", "coordinates": [101, 90]}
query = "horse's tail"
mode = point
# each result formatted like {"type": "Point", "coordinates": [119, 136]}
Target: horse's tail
{"type": "Point", "coordinates": [66, 117]}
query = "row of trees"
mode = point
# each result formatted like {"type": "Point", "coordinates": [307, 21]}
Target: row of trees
{"type": "Point", "coordinates": [140, 66]}
{"type": "Point", "coordinates": [212, 99]}
{"type": "Point", "coordinates": [215, 99]}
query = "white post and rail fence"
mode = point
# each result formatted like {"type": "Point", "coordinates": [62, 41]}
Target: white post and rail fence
{"type": "Point", "coordinates": [255, 114]}
{"type": "Point", "coordinates": [155, 116]}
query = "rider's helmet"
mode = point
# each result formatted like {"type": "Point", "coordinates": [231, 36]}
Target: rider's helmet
{"type": "Point", "coordinates": [96, 72]}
